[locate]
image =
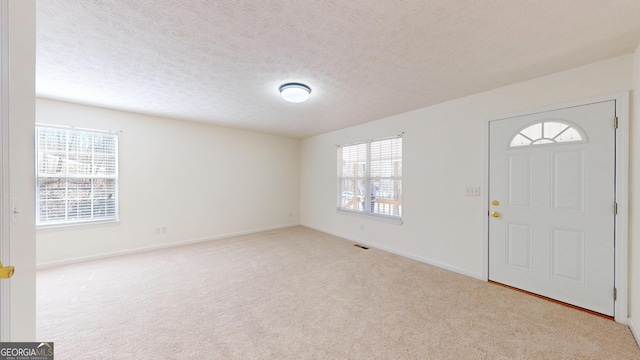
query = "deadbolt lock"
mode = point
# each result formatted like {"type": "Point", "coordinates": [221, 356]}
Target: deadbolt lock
{"type": "Point", "coordinates": [495, 202]}
{"type": "Point", "coordinates": [6, 272]}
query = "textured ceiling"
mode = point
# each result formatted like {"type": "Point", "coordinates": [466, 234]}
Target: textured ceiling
{"type": "Point", "coordinates": [223, 61]}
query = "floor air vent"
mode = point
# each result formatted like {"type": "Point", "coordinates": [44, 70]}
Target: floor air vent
{"type": "Point", "coordinates": [361, 247]}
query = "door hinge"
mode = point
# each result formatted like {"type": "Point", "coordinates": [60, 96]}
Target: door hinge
{"type": "Point", "coordinates": [615, 208]}
{"type": "Point", "coordinates": [615, 294]}
{"type": "Point", "coordinates": [615, 122]}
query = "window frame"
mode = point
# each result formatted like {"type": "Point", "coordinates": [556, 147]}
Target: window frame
{"type": "Point", "coordinates": [115, 217]}
{"type": "Point", "coordinates": [362, 179]}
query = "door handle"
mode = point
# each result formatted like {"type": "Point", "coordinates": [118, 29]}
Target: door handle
{"type": "Point", "coordinates": [6, 272]}
{"type": "Point", "coordinates": [495, 214]}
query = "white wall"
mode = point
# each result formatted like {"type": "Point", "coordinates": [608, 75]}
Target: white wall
{"type": "Point", "coordinates": [21, 88]}
{"type": "Point", "coordinates": [634, 203]}
{"type": "Point", "coordinates": [443, 153]}
{"type": "Point", "coordinates": [199, 181]}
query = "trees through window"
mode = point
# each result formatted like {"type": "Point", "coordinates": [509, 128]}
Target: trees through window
{"type": "Point", "coordinates": [76, 175]}
{"type": "Point", "coordinates": [370, 177]}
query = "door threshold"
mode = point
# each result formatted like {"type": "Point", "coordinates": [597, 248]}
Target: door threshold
{"type": "Point", "coordinates": [554, 301]}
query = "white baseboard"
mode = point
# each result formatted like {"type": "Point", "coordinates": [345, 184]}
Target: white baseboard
{"type": "Point", "coordinates": [634, 330]}
{"type": "Point", "coordinates": [404, 254]}
{"type": "Point", "coordinates": [157, 247]}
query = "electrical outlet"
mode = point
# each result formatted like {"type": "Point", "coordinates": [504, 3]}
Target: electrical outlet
{"type": "Point", "coordinates": [164, 229]}
{"type": "Point", "coordinates": [471, 191]}
{"type": "Point", "coordinates": [158, 230]}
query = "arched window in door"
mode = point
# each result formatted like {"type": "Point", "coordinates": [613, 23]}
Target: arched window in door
{"type": "Point", "coordinates": [547, 132]}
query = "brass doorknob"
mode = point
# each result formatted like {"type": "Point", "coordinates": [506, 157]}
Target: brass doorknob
{"type": "Point", "coordinates": [6, 272]}
{"type": "Point", "coordinates": [495, 214]}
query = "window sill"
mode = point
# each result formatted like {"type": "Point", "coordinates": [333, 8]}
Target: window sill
{"type": "Point", "coordinates": [76, 225]}
{"type": "Point", "coordinates": [381, 218]}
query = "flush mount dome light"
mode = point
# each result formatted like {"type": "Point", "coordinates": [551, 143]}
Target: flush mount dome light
{"type": "Point", "coordinates": [295, 92]}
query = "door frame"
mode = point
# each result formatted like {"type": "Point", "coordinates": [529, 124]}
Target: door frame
{"type": "Point", "coordinates": [5, 295]}
{"type": "Point", "coordinates": [621, 228]}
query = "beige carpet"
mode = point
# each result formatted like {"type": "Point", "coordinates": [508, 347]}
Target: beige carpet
{"type": "Point", "coordinates": [301, 294]}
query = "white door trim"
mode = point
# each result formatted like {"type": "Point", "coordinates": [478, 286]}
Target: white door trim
{"type": "Point", "coordinates": [5, 295]}
{"type": "Point", "coordinates": [622, 192]}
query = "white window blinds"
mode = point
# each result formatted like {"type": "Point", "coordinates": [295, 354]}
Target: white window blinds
{"type": "Point", "coordinates": [370, 177]}
{"type": "Point", "coordinates": [76, 176]}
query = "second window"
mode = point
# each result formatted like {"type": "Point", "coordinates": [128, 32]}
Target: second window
{"type": "Point", "coordinates": [370, 177]}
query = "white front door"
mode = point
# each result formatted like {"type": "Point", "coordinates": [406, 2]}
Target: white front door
{"type": "Point", "coordinates": [551, 201]}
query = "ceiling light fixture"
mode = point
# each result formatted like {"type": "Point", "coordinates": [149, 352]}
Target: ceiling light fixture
{"type": "Point", "coordinates": [295, 92]}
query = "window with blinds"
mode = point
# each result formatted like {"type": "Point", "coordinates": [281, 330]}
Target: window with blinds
{"type": "Point", "coordinates": [76, 176]}
{"type": "Point", "coordinates": [370, 177]}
